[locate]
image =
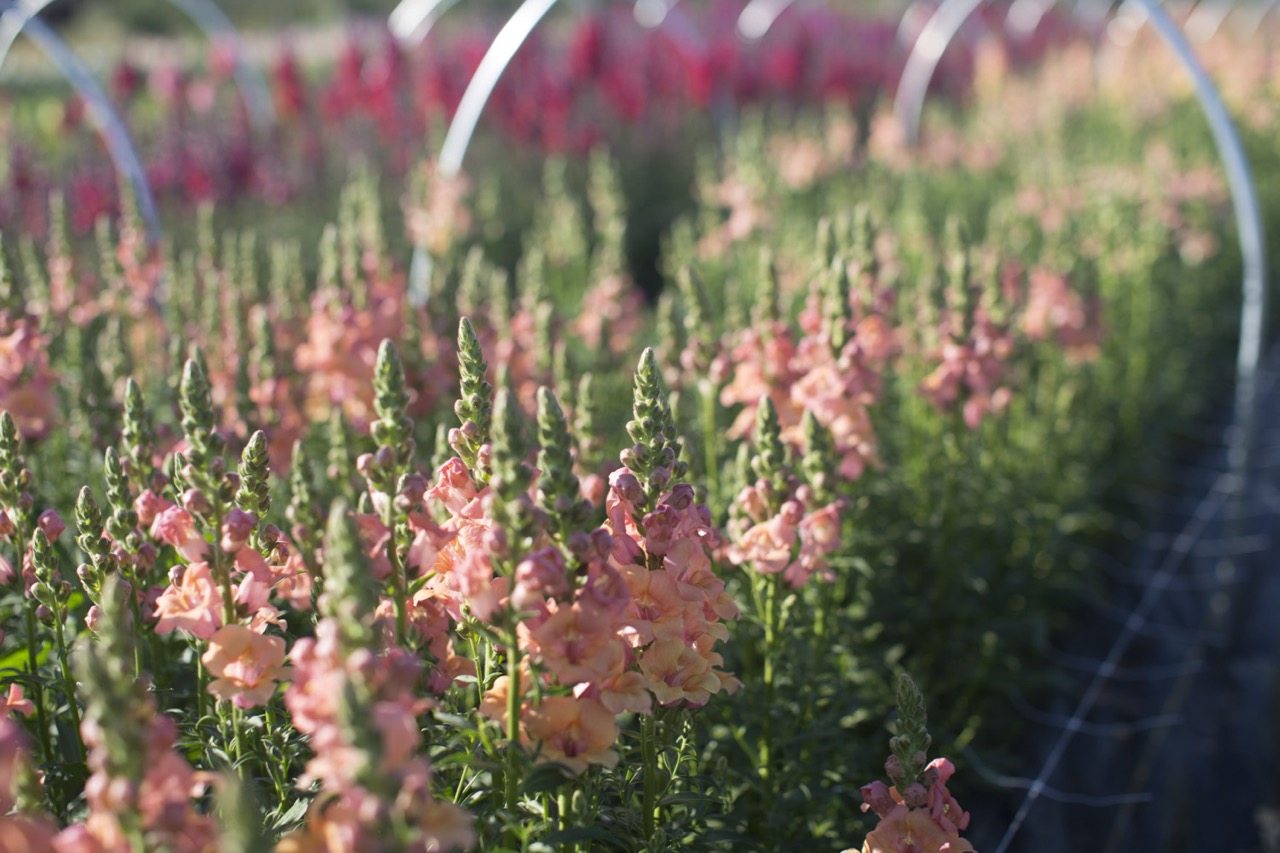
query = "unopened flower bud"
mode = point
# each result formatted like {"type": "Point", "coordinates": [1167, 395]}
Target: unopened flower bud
{"type": "Point", "coordinates": [413, 486]}
{"type": "Point", "coordinates": [270, 534]}
{"type": "Point", "coordinates": [147, 555]}
{"type": "Point", "coordinates": [195, 502]}
{"type": "Point", "coordinates": [628, 487]}
{"type": "Point", "coordinates": [916, 796]}
{"type": "Point", "coordinates": [236, 529]}
{"type": "Point", "coordinates": [681, 497]}
{"type": "Point", "coordinates": [51, 523]}
{"type": "Point", "coordinates": [579, 544]}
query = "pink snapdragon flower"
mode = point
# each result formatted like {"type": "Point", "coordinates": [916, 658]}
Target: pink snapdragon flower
{"type": "Point", "coordinates": [191, 602]}
{"type": "Point", "coordinates": [436, 215]}
{"type": "Point", "coordinates": [27, 383]}
{"type": "Point", "coordinates": [971, 367]}
{"type": "Point", "coordinates": [839, 387]}
{"type": "Point", "coordinates": [612, 315]}
{"type": "Point", "coordinates": [1054, 311]}
{"type": "Point", "coordinates": [16, 703]}
{"type": "Point", "coordinates": [18, 832]}
{"type": "Point", "coordinates": [796, 541]}
{"type": "Point", "coordinates": [679, 607]}
{"type": "Point", "coordinates": [926, 819]}
{"type": "Point", "coordinates": [161, 799]}
{"type": "Point", "coordinates": [175, 526]}
{"type": "Point", "coordinates": [246, 665]}
{"type": "Point", "coordinates": [352, 815]}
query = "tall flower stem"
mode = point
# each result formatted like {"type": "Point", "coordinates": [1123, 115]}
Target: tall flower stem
{"type": "Point", "coordinates": [69, 684]}
{"type": "Point", "coordinates": [649, 754]}
{"type": "Point", "coordinates": [710, 441]}
{"type": "Point", "coordinates": [768, 675]}
{"type": "Point", "coordinates": [223, 574]}
{"type": "Point", "coordinates": [513, 720]}
{"type": "Point", "coordinates": [399, 579]}
{"type": "Point", "coordinates": [37, 688]}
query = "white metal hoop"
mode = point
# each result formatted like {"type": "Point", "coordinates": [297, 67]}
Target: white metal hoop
{"type": "Point", "coordinates": [913, 89]}
{"type": "Point", "coordinates": [411, 20]}
{"type": "Point", "coordinates": [212, 22]}
{"type": "Point", "coordinates": [120, 147]}
{"type": "Point", "coordinates": [502, 50]}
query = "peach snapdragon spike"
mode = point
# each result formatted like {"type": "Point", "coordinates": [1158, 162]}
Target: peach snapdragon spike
{"type": "Point", "coordinates": [970, 360]}
{"type": "Point", "coordinates": [20, 829]}
{"type": "Point", "coordinates": [27, 382]}
{"type": "Point", "coordinates": [917, 813]}
{"type": "Point", "coordinates": [353, 695]}
{"type": "Point", "coordinates": [1057, 313]}
{"type": "Point", "coordinates": [779, 523]}
{"type": "Point", "coordinates": [834, 369]}
{"type": "Point", "coordinates": [139, 786]}
{"type": "Point", "coordinates": [610, 620]}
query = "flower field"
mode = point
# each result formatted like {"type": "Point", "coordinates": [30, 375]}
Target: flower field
{"type": "Point", "coordinates": [714, 478]}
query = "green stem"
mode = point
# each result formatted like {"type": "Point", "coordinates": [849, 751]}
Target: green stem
{"type": "Point", "coordinates": [399, 579]}
{"type": "Point", "coordinates": [649, 753]}
{"type": "Point", "coordinates": [223, 573]}
{"type": "Point", "coordinates": [37, 688]}
{"type": "Point", "coordinates": [768, 675]}
{"type": "Point", "coordinates": [513, 719]}
{"type": "Point", "coordinates": [202, 684]}
{"type": "Point", "coordinates": [69, 683]}
{"type": "Point", "coordinates": [136, 612]}
{"type": "Point", "coordinates": [562, 809]}
{"type": "Point", "coordinates": [235, 733]}
{"type": "Point", "coordinates": [710, 442]}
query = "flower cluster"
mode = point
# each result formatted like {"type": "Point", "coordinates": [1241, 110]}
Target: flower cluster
{"type": "Point", "coordinates": [340, 580]}
{"type": "Point", "coordinates": [355, 700]}
{"type": "Point", "coordinates": [970, 364]}
{"type": "Point", "coordinates": [779, 526]}
{"type": "Point", "coordinates": [918, 813]}
{"type": "Point", "coordinates": [140, 789]}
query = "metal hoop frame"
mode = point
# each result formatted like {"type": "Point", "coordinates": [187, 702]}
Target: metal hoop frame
{"type": "Point", "coordinates": [913, 88]}
{"type": "Point", "coordinates": [120, 147]}
{"type": "Point", "coordinates": [212, 22]}
{"type": "Point", "coordinates": [759, 16]}
{"type": "Point", "coordinates": [502, 50]}
{"type": "Point", "coordinates": [411, 20]}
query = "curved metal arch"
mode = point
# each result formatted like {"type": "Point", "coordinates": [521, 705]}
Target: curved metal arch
{"type": "Point", "coordinates": [914, 86]}
{"type": "Point", "coordinates": [210, 19]}
{"type": "Point", "coordinates": [922, 63]}
{"type": "Point", "coordinates": [514, 33]}
{"type": "Point", "coordinates": [475, 97]}
{"type": "Point", "coordinates": [1255, 13]}
{"type": "Point", "coordinates": [1207, 18]}
{"type": "Point", "coordinates": [411, 20]}
{"type": "Point", "coordinates": [668, 14]}
{"type": "Point", "coordinates": [759, 16]}
{"type": "Point", "coordinates": [120, 147]}
{"type": "Point", "coordinates": [1025, 16]}
{"type": "Point", "coordinates": [502, 50]}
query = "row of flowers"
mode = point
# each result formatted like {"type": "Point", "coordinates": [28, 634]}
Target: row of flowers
{"type": "Point", "coordinates": [604, 79]}
{"type": "Point", "coordinates": [352, 570]}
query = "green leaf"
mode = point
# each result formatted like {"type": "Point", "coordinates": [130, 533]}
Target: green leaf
{"type": "Point", "coordinates": [545, 778]}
